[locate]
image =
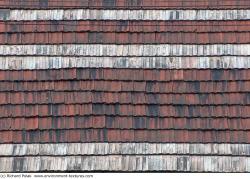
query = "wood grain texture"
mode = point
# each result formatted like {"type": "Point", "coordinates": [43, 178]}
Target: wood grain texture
{"type": "Point", "coordinates": [126, 4]}
{"type": "Point", "coordinates": [126, 50]}
{"type": "Point", "coordinates": [88, 14]}
{"type": "Point", "coordinates": [86, 149]}
{"type": "Point", "coordinates": [45, 62]}
{"type": "Point", "coordinates": [125, 85]}
{"type": "Point", "coordinates": [126, 163]}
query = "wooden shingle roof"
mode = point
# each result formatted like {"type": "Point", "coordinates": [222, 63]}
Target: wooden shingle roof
{"type": "Point", "coordinates": [122, 85]}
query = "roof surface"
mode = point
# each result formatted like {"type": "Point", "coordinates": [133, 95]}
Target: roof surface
{"type": "Point", "coordinates": [121, 85]}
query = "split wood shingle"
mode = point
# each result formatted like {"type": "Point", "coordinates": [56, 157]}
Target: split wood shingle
{"type": "Point", "coordinates": [137, 85]}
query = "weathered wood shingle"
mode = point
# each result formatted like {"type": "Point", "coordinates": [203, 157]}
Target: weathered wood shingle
{"type": "Point", "coordinates": [121, 85]}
